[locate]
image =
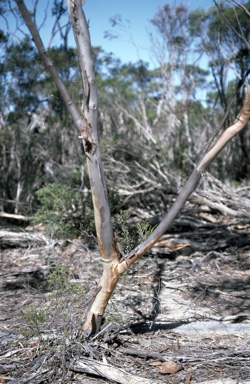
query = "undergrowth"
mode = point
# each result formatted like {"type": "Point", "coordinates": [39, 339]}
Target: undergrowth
{"type": "Point", "coordinates": [60, 316]}
{"type": "Point", "coordinates": [63, 211]}
{"type": "Point", "coordinates": [127, 235]}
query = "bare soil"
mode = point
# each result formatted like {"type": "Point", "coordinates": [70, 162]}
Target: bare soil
{"type": "Point", "coordinates": [180, 315]}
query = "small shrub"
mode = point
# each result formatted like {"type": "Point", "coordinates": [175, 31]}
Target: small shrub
{"type": "Point", "coordinates": [62, 314]}
{"type": "Point", "coordinates": [66, 302]}
{"type": "Point", "coordinates": [33, 320]}
{"type": "Point", "coordinates": [55, 326]}
{"type": "Point", "coordinates": [113, 317]}
{"type": "Point", "coordinates": [129, 236]}
{"type": "Point", "coordinates": [63, 211]}
{"type": "Point", "coordinates": [115, 201]}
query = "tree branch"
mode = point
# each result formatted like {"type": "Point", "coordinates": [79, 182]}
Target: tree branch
{"type": "Point", "coordinates": [78, 120]}
{"type": "Point", "coordinates": [240, 35]}
{"type": "Point", "coordinates": [190, 185]}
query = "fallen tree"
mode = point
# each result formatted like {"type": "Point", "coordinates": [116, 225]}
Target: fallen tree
{"type": "Point", "coordinates": [114, 261]}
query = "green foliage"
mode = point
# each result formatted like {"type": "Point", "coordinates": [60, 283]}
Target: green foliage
{"type": "Point", "coordinates": [56, 323]}
{"type": "Point", "coordinates": [64, 298]}
{"type": "Point", "coordinates": [143, 230]}
{"type": "Point", "coordinates": [123, 233]}
{"type": "Point", "coordinates": [61, 314]}
{"type": "Point", "coordinates": [63, 211]}
{"type": "Point", "coordinates": [115, 202]}
{"type": "Point", "coordinates": [23, 69]}
{"type": "Point", "coordinates": [33, 320]}
{"type": "Point", "coordinates": [58, 278]}
{"type": "Point", "coordinates": [127, 235]}
{"type": "Point", "coordinates": [113, 317]}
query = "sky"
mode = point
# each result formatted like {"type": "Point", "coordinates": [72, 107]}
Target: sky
{"type": "Point", "coordinates": [133, 42]}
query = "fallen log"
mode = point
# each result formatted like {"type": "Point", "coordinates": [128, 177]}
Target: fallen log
{"type": "Point", "coordinates": [109, 372]}
{"type": "Point", "coordinates": [20, 239]}
{"type": "Point", "coordinates": [13, 216]}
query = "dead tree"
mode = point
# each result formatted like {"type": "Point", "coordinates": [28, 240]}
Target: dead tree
{"type": "Point", "coordinates": [85, 120]}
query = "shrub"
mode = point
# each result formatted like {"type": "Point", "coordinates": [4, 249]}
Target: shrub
{"type": "Point", "coordinates": [127, 235]}
{"type": "Point", "coordinates": [61, 314]}
{"type": "Point", "coordinates": [64, 212]}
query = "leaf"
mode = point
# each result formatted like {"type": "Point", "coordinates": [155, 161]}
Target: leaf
{"type": "Point", "coordinates": [169, 367]}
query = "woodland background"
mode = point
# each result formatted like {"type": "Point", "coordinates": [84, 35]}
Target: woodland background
{"type": "Point", "coordinates": [153, 123]}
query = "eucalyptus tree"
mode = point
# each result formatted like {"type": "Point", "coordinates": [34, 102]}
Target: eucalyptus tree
{"type": "Point", "coordinates": [20, 71]}
{"type": "Point", "coordinates": [222, 33]}
{"type": "Point", "coordinates": [86, 121]}
{"type": "Point", "coordinates": [181, 78]}
{"type": "Point", "coordinates": [32, 109]}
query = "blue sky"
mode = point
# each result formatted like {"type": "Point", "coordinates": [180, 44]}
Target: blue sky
{"type": "Point", "coordinates": [134, 42]}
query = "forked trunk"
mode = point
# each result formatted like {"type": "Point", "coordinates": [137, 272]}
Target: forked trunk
{"type": "Point", "coordinates": [86, 123]}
